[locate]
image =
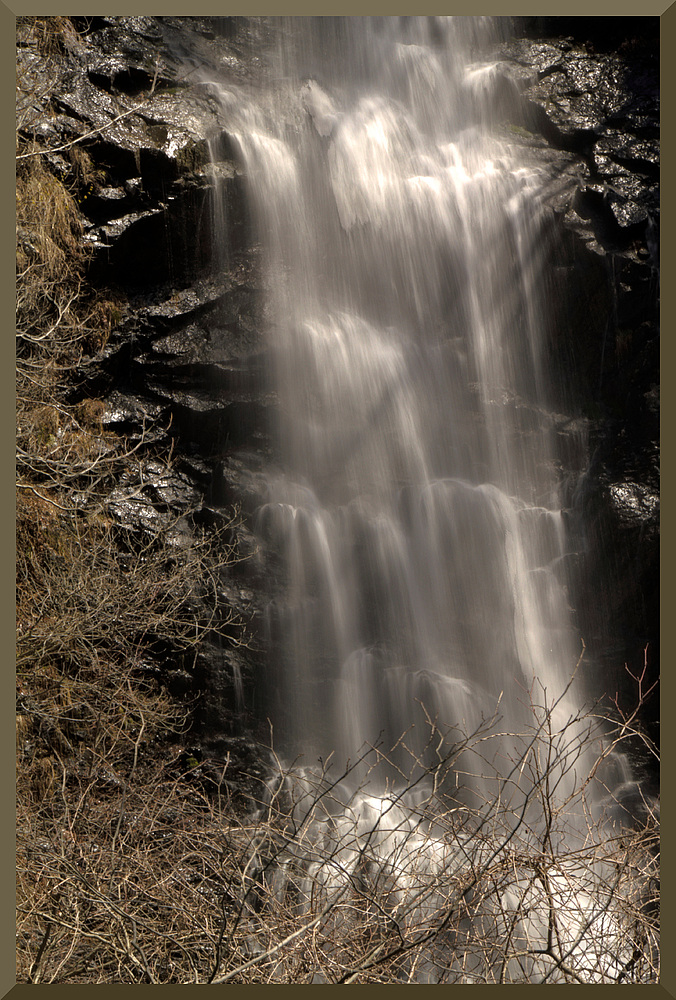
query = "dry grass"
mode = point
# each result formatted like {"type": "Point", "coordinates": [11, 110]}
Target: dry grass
{"type": "Point", "coordinates": [48, 216]}
{"type": "Point", "coordinates": [49, 35]}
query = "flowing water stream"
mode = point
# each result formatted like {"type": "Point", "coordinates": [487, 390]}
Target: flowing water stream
{"type": "Point", "coordinates": [416, 503]}
{"type": "Point", "coordinates": [414, 509]}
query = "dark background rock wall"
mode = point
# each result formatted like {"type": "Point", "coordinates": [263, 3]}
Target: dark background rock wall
{"type": "Point", "coordinates": [592, 92]}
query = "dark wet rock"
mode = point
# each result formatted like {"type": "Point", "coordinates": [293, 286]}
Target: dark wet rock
{"type": "Point", "coordinates": [240, 479]}
{"type": "Point", "coordinates": [219, 676]}
{"type": "Point", "coordinates": [534, 60]}
{"type": "Point", "coordinates": [179, 683]}
{"type": "Point", "coordinates": [105, 236]}
{"type": "Point", "coordinates": [125, 410]}
{"type": "Point", "coordinates": [170, 242]}
{"type": "Point", "coordinates": [598, 105]}
{"type": "Point", "coordinates": [127, 55]}
{"type": "Point", "coordinates": [169, 487]}
{"type": "Point", "coordinates": [149, 190]}
{"type": "Point", "coordinates": [595, 33]}
{"type": "Point", "coordinates": [590, 90]}
{"type": "Point", "coordinates": [622, 555]}
{"type": "Point", "coordinates": [154, 494]}
{"type": "Point", "coordinates": [219, 292]}
{"type": "Point", "coordinates": [232, 765]}
{"type": "Point", "coordinates": [635, 505]}
{"type": "Point", "coordinates": [134, 511]}
{"type": "Point", "coordinates": [617, 148]}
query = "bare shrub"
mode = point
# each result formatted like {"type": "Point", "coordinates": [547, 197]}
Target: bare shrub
{"type": "Point", "coordinates": [49, 35]}
{"type": "Point", "coordinates": [399, 886]}
{"type": "Point", "coordinates": [98, 604]}
{"type": "Point", "coordinates": [324, 881]}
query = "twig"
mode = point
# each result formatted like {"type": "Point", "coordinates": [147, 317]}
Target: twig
{"type": "Point", "coordinates": [35, 967]}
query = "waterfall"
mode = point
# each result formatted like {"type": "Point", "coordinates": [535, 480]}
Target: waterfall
{"type": "Point", "coordinates": [415, 505]}
{"type": "Point", "coordinates": [413, 520]}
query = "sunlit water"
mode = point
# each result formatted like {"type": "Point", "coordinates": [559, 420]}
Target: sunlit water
{"type": "Point", "coordinates": [415, 503]}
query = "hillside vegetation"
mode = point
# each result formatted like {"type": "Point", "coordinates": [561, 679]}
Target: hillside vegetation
{"type": "Point", "coordinates": [99, 743]}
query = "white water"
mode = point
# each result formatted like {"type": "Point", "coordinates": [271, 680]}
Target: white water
{"type": "Point", "coordinates": [415, 505]}
{"type": "Point", "coordinates": [415, 502]}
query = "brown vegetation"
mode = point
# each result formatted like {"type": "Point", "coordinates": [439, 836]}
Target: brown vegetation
{"type": "Point", "coordinates": [140, 869]}
{"type": "Point", "coordinates": [95, 602]}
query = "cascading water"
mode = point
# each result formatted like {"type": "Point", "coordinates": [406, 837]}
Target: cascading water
{"type": "Point", "coordinates": [415, 505]}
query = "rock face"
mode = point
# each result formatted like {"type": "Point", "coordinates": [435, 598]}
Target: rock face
{"type": "Point", "coordinates": [147, 151]}
{"type": "Point", "coordinates": [157, 180]}
{"type": "Point", "coordinates": [590, 89]}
